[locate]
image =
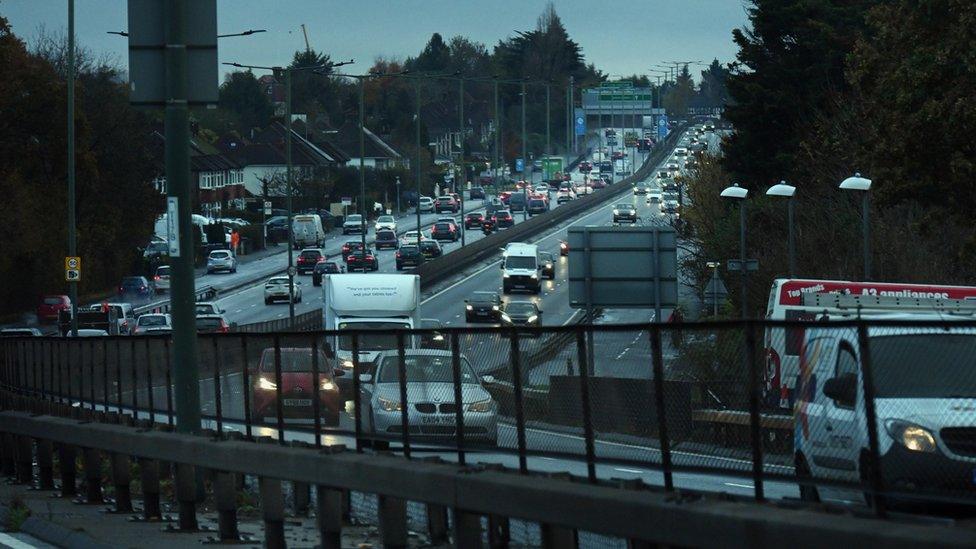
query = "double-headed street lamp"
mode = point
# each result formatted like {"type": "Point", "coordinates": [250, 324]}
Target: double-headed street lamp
{"type": "Point", "coordinates": [787, 191]}
{"type": "Point", "coordinates": [858, 183]}
{"type": "Point", "coordinates": [735, 192]}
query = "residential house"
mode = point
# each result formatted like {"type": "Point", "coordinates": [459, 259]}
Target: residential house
{"type": "Point", "coordinates": [217, 178]}
{"type": "Point", "coordinates": [379, 155]}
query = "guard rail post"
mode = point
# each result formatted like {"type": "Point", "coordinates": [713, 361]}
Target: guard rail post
{"type": "Point", "coordinates": [558, 537]}
{"type": "Point", "coordinates": [23, 453]}
{"type": "Point", "coordinates": [499, 531]}
{"type": "Point", "coordinates": [7, 454]}
{"type": "Point", "coordinates": [67, 457]}
{"type": "Point", "coordinates": [437, 529]}
{"type": "Point", "coordinates": [273, 513]}
{"type": "Point", "coordinates": [393, 522]}
{"type": "Point", "coordinates": [149, 479]}
{"type": "Point", "coordinates": [467, 529]}
{"type": "Point", "coordinates": [328, 516]}
{"type": "Point", "coordinates": [122, 478]}
{"type": "Point", "coordinates": [91, 462]}
{"type": "Point", "coordinates": [186, 497]}
{"type": "Point", "coordinates": [45, 464]}
{"type": "Point", "coordinates": [225, 496]}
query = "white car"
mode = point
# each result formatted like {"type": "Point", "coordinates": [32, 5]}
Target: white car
{"type": "Point", "coordinates": [426, 204]}
{"type": "Point", "coordinates": [276, 289]}
{"type": "Point", "coordinates": [353, 224]}
{"type": "Point", "coordinates": [542, 187]}
{"type": "Point", "coordinates": [208, 308]}
{"type": "Point", "coordinates": [565, 194]}
{"type": "Point", "coordinates": [387, 222]}
{"type": "Point", "coordinates": [151, 323]}
{"type": "Point", "coordinates": [410, 237]}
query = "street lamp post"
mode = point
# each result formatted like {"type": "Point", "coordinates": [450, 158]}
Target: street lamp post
{"type": "Point", "coordinates": [735, 192]}
{"type": "Point", "coordinates": [787, 191]}
{"type": "Point", "coordinates": [464, 173]}
{"type": "Point", "coordinates": [288, 201]}
{"type": "Point", "coordinates": [525, 161]}
{"type": "Point", "coordinates": [498, 131]}
{"type": "Point", "coordinates": [417, 90]}
{"type": "Point", "coordinates": [362, 167]}
{"type": "Point", "coordinates": [858, 183]}
{"type": "Point", "coordinates": [714, 265]}
{"type": "Point", "coordinates": [72, 237]}
{"type": "Point", "coordinates": [398, 195]}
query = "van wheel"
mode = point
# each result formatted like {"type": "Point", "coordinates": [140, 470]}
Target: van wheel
{"type": "Point", "coordinates": [808, 492]}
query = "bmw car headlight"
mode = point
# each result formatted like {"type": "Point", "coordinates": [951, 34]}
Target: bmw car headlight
{"type": "Point", "coordinates": [494, 307]}
{"type": "Point", "coordinates": [480, 406]}
{"type": "Point", "coordinates": [389, 405]}
{"type": "Point", "coordinates": [534, 275]}
{"type": "Point", "coordinates": [913, 437]}
{"type": "Point", "coordinates": [266, 385]}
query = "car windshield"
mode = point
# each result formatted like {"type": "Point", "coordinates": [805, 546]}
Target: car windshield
{"type": "Point", "coordinates": [152, 320]}
{"type": "Point", "coordinates": [162, 271]}
{"type": "Point", "coordinates": [53, 301]}
{"type": "Point", "coordinates": [202, 309]}
{"type": "Point", "coordinates": [383, 339]}
{"type": "Point", "coordinates": [406, 250]}
{"type": "Point", "coordinates": [386, 235]}
{"type": "Point", "coordinates": [429, 245]}
{"type": "Point", "coordinates": [278, 281]}
{"type": "Point", "coordinates": [537, 203]}
{"type": "Point", "coordinates": [219, 255]}
{"type": "Point", "coordinates": [355, 218]}
{"type": "Point", "coordinates": [424, 369]}
{"type": "Point", "coordinates": [933, 365]}
{"type": "Point", "coordinates": [483, 297]}
{"type": "Point", "coordinates": [504, 214]}
{"type": "Point", "coordinates": [625, 206]}
{"type": "Point", "coordinates": [520, 262]}
{"type": "Point", "coordinates": [445, 198]}
{"type": "Point", "coordinates": [520, 308]}
{"type": "Point", "coordinates": [385, 219]}
{"type": "Point", "coordinates": [546, 256]}
{"type": "Point", "coordinates": [443, 227]}
{"type": "Point", "coordinates": [295, 361]}
{"type": "Point", "coordinates": [311, 254]}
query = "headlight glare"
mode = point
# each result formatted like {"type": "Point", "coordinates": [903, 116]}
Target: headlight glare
{"type": "Point", "coordinates": [266, 385]}
{"type": "Point", "coordinates": [328, 385]}
{"type": "Point", "coordinates": [913, 437]}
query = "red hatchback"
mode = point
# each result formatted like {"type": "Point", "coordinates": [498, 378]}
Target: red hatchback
{"type": "Point", "coordinates": [51, 305]}
{"type": "Point", "coordinates": [297, 388]}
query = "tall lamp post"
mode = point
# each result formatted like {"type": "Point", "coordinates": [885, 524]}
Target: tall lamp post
{"type": "Point", "coordinates": [464, 171]}
{"type": "Point", "coordinates": [858, 183]}
{"type": "Point", "coordinates": [735, 192]}
{"type": "Point", "coordinates": [787, 191]}
{"type": "Point", "coordinates": [525, 161]}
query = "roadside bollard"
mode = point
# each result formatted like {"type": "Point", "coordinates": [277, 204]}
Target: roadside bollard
{"type": "Point", "coordinates": [225, 494]}
{"type": "Point", "coordinates": [122, 479]}
{"type": "Point", "coordinates": [45, 464]}
{"type": "Point", "coordinates": [149, 477]}
{"type": "Point", "coordinates": [91, 461]}
{"type": "Point", "coordinates": [67, 458]}
{"type": "Point", "coordinates": [273, 513]}
{"type": "Point", "coordinates": [328, 512]}
{"type": "Point", "coordinates": [467, 529]}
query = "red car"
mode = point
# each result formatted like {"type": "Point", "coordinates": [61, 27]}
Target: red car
{"type": "Point", "coordinates": [598, 183]}
{"type": "Point", "coordinates": [563, 248]}
{"type": "Point", "coordinates": [51, 305]}
{"type": "Point", "coordinates": [585, 167]}
{"type": "Point", "coordinates": [618, 155]}
{"type": "Point", "coordinates": [445, 231]}
{"type": "Point", "coordinates": [524, 185]}
{"type": "Point", "coordinates": [447, 203]}
{"type": "Point", "coordinates": [473, 220]}
{"type": "Point", "coordinates": [504, 196]}
{"type": "Point", "coordinates": [502, 219]}
{"type": "Point", "coordinates": [297, 390]}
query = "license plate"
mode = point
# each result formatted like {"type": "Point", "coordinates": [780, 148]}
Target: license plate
{"type": "Point", "coordinates": [298, 402]}
{"type": "Point", "coordinates": [482, 313]}
{"type": "Point", "coordinates": [437, 420]}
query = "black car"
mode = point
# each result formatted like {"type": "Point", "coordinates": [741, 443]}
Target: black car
{"type": "Point", "coordinates": [445, 231]}
{"type": "Point", "coordinates": [517, 201]}
{"type": "Point", "coordinates": [624, 213]}
{"type": "Point", "coordinates": [548, 263]}
{"type": "Point", "coordinates": [430, 249]}
{"type": "Point", "coordinates": [473, 220]}
{"type": "Point", "coordinates": [483, 306]}
{"type": "Point", "coordinates": [136, 287]}
{"type": "Point", "coordinates": [477, 192]}
{"type": "Point", "coordinates": [386, 239]}
{"type": "Point", "coordinates": [324, 268]}
{"type": "Point", "coordinates": [503, 219]}
{"type": "Point", "coordinates": [537, 206]}
{"type": "Point", "coordinates": [521, 313]}
{"type": "Point", "coordinates": [308, 259]}
{"type": "Point", "coordinates": [408, 256]}
{"type": "Point", "coordinates": [361, 260]}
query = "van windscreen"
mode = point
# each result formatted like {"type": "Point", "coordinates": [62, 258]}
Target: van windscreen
{"type": "Point", "coordinates": [932, 365]}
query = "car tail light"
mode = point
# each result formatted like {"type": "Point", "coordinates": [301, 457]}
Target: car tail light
{"type": "Point", "coordinates": [351, 258]}
{"type": "Point", "coordinates": [398, 254]}
{"type": "Point", "coordinates": [369, 258]}
{"type": "Point", "coordinates": [224, 328]}
{"type": "Point", "coordinates": [156, 277]}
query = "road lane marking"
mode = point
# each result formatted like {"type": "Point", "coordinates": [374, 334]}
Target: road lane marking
{"type": "Point", "coordinates": [625, 470]}
{"type": "Point", "coordinates": [737, 485]}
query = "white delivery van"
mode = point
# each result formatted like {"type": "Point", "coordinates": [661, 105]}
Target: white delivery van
{"type": "Point", "coordinates": [796, 299]}
{"type": "Point", "coordinates": [307, 230]}
{"type": "Point", "coordinates": [520, 268]}
{"type": "Point", "coordinates": [380, 302]}
{"type": "Point", "coordinates": [924, 398]}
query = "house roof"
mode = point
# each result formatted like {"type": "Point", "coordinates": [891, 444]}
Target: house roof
{"type": "Point", "coordinates": [304, 152]}
{"type": "Point", "coordinates": [348, 140]}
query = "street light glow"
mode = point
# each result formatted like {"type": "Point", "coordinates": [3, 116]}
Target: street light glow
{"type": "Point", "coordinates": [781, 189]}
{"type": "Point", "coordinates": [735, 191]}
{"type": "Point", "coordinates": [856, 183]}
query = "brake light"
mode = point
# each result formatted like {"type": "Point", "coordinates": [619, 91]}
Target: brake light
{"type": "Point", "coordinates": [369, 258]}
{"type": "Point", "coordinates": [156, 277]}
{"type": "Point", "coordinates": [398, 254]}
{"type": "Point", "coordinates": [351, 258]}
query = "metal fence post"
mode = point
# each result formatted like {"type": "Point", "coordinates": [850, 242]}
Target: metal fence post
{"type": "Point", "coordinates": [186, 497]}
{"type": "Point", "coordinates": [91, 460]}
{"type": "Point", "coordinates": [316, 394]}
{"type": "Point", "coordinates": [458, 397]}
{"type": "Point", "coordinates": [135, 380]}
{"type": "Point", "coordinates": [404, 405]}
{"type": "Point", "coordinates": [357, 395]}
{"type": "Point", "coordinates": [279, 405]}
{"type": "Point", "coordinates": [91, 374]}
{"type": "Point", "coordinates": [581, 357]}
{"type": "Point", "coordinates": [246, 388]}
{"type": "Point", "coordinates": [755, 431]}
{"type": "Point", "coordinates": [45, 464]}
{"type": "Point", "coordinates": [122, 478]}
{"type": "Point", "coordinates": [393, 521]}
{"type": "Point", "coordinates": [118, 374]}
{"type": "Point", "coordinates": [169, 384]}
{"type": "Point", "coordinates": [218, 364]}
{"type": "Point", "coordinates": [273, 513]}
{"type": "Point", "coordinates": [519, 404]}
{"type": "Point", "coordinates": [67, 457]}
{"type": "Point", "coordinates": [328, 515]}
{"type": "Point", "coordinates": [874, 468]}
{"type": "Point", "coordinates": [225, 496]}
{"type": "Point", "coordinates": [105, 375]}
{"type": "Point", "coordinates": [150, 401]}
{"type": "Point", "coordinates": [149, 478]}
{"type": "Point", "coordinates": [662, 423]}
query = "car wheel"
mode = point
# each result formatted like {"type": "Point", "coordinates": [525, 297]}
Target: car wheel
{"type": "Point", "coordinates": [808, 492]}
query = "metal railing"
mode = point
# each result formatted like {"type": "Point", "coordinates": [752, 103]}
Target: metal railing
{"type": "Point", "coordinates": [700, 398]}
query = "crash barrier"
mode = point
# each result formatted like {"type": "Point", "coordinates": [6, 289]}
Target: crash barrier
{"type": "Point", "coordinates": [206, 293]}
{"type": "Point", "coordinates": [435, 271]}
{"type": "Point", "coordinates": [881, 408]}
{"type": "Point", "coordinates": [304, 322]}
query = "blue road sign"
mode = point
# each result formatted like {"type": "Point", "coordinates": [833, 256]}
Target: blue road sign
{"type": "Point", "coordinates": [662, 126]}
{"type": "Point", "coordinates": [519, 165]}
{"type": "Point", "coordinates": [580, 122]}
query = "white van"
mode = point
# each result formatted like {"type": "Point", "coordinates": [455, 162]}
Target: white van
{"type": "Point", "coordinates": [520, 268]}
{"type": "Point", "coordinates": [307, 230]}
{"type": "Point", "coordinates": [925, 397]}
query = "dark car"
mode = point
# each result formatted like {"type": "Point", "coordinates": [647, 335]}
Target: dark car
{"type": "Point", "coordinates": [624, 213]}
{"type": "Point", "coordinates": [297, 387]}
{"type": "Point", "coordinates": [386, 239]}
{"type": "Point", "coordinates": [563, 248]}
{"type": "Point", "coordinates": [308, 259]}
{"type": "Point", "coordinates": [323, 268]}
{"type": "Point", "coordinates": [212, 324]}
{"type": "Point", "coordinates": [517, 201]}
{"type": "Point", "coordinates": [408, 256]}
{"type": "Point", "coordinates": [521, 313]}
{"type": "Point", "coordinates": [51, 306]}
{"type": "Point", "coordinates": [430, 249]}
{"type": "Point", "coordinates": [445, 231]}
{"type": "Point", "coordinates": [483, 307]}
{"type": "Point", "coordinates": [473, 220]}
{"type": "Point", "coordinates": [548, 263]}
{"type": "Point", "coordinates": [503, 219]}
{"type": "Point", "coordinates": [446, 203]}
{"type": "Point", "coordinates": [351, 246]}
{"type": "Point", "coordinates": [477, 192]}
{"type": "Point", "coordinates": [137, 287]}
{"type": "Point", "coordinates": [537, 206]}
{"type": "Point", "coordinates": [362, 260]}
{"type": "Point", "coordinates": [585, 167]}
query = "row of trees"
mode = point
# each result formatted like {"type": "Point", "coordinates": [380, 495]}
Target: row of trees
{"type": "Point", "coordinates": [823, 89]}
{"type": "Point", "coordinates": [112, 159]}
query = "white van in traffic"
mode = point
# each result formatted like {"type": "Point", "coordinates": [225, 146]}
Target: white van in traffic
{"type": "Point", "coordinates": [924, 397]}
{"type": "Point", "coordinates": [308, 232]}
{"type": "Point", "coordinates": [520, 268]}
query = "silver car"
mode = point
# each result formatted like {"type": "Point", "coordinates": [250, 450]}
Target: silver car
{"type": "Point", "coordinates": [221, 260]}
{"type": "Point", "coordinates": [430, 396]}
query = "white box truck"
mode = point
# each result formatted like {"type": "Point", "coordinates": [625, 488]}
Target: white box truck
{"type": "Point", "coordinates": [380, 302]}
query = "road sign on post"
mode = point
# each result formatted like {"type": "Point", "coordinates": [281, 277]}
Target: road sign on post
{"type": "Point", "coordinates": [267, 207]}
{"type": "Point", "coordinates": [580, 122]}
{"type": "Point", "coordinates": [519, 165]}
{"type": "Point", "coordinates": [347, 201]}
{"type": "Point", "coordinates": [72, 269]}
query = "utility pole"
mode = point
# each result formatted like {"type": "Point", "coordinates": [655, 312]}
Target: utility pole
{"type": "Point", "coordinates": [571, 134]}
{"type": "Point", "coordinates": [417, 89]}
{"type": "Point", "coordinates": [288, 201]}
{"type": "Point", "coordinates": [498, 132]}
{"type": "Point", "coordinates": [186, 376]}
{"type": "Point", "coordinates": [72, 236]}
{"type": "Point", "coordinates": [362, 166]}
{"type": "Point", "coordinates": [464, 173]}
{"type": "Point", "coordinates": [525, 160]}
{"type": "Point", "coordinates": [548, 110]}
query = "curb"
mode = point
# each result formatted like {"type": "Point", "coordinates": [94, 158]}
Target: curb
{"type": "Point", "coordinates": [55, 534]}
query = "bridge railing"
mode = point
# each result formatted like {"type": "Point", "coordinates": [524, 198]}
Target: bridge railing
{"type": "Point", "coordinates": [735, 399]}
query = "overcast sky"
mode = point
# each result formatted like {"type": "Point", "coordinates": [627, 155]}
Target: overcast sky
{"type": "Point", "coordinates": [620, 37]}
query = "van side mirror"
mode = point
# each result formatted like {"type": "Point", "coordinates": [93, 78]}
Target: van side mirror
{"type": "Point", "coordinates": [842, 389]}
{"type": "Point", "coordinates": [365, 378]}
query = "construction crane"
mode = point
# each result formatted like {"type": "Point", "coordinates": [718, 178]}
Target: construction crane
{"type": "Point", "coordinates": [308, 48]}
